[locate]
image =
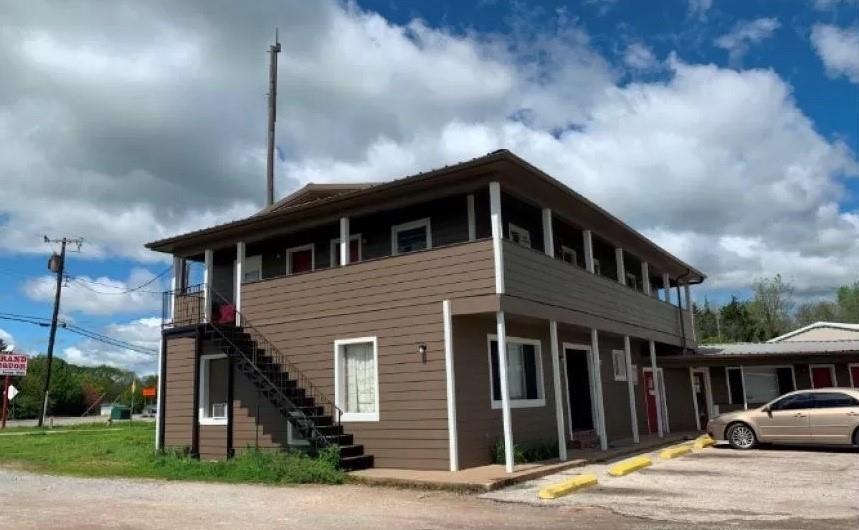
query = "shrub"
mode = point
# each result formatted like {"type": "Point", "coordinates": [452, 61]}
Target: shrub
{"type": "Point", "coordinates": [532, 453]}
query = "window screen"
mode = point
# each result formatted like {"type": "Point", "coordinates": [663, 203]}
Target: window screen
{"type": "Point", "coordinates": [521, 371]}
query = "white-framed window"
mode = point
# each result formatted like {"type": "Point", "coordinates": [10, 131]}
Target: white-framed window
{"type": "Point", "coordinates": [411, 236]}
{"type": "Point", "coordinates": [300, 259]}
{"type": "Point", "coordinates": [569, 255]}
{"type": "Point", "coordinates": [213, 382]}
{"type": "Point", "coordinates": [618, 362]}
{"type": "Point", "coordinates": [252, 269]}
{"type": "Point", "coordinates": [632, 281]}
{"type": "Point", "coordinates": [293, 437]}
{"type": "Point", "coordinates": [597, 269]}
{"type": "Point", "coordinates": [354, 250]}
{"type": "Point", "coordinates": [762, 384]}
{"type": "Point", "coordinates": [524, 373]}
{"type": "Point", "coordinates": [519, 235]}
{"type": "Point", "coordinates": [356, 378]}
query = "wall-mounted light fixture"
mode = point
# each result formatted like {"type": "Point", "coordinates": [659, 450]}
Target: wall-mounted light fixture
{"type": "Point", "coordinates": [422, 352]}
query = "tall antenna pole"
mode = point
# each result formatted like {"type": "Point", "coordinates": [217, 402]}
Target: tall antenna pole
{"type": "Point", "coordinates": [272, 116]}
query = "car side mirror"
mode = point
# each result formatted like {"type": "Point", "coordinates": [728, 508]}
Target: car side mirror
{"type": "Point", "coordinates": [768, 411]}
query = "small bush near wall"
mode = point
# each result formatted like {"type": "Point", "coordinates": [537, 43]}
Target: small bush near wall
{"type": "Point", "coordinates": [536, 452]}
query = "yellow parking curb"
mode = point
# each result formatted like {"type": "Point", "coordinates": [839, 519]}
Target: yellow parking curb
{"type": "Point", "coordinates": [629, 465]}
{"type": "Point", "coordinates": [704, 441]}
{"type": "Point", "coordinates": [568, 486]}
{"type": "Point", "coordinates": [674, 452]}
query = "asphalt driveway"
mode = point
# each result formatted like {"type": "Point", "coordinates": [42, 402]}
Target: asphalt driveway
{"type": "Point", "coordinates": [720, 485]}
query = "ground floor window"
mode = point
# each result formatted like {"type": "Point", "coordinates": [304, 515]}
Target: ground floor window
{"type": "Point", "coordinates": [213, 389]}
{"type": "Point", "coordinates": [524, 372]}
{"type": "Point", "coordinates": [357, 378]}
{"type": "Point", "coordinates": [765, 383]}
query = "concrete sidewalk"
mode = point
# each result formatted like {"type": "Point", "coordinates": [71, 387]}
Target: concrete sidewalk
{"type": "Point", "coordinates": [493, 477]}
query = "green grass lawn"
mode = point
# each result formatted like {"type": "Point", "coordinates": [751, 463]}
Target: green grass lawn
{"type": "Point", "coordinates": [124, 450]}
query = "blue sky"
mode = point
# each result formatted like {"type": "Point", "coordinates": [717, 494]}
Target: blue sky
{"type": "Point", "coordinates": [725, 130]}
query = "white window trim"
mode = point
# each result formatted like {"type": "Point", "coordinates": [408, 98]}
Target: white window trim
{"type": "Point", "coordinates": [853, 382]}
{"type": "Point", "coordinates": [311, 247]}
{"type": "Point", "coordinates": [565, 249]}
{"type": "Point", "coordinates": [417, 223]}
{"type": "Point", "coordinates": [589, 355]}
{"type": "Point", "coordinates": [522, 231]}
{"type": "Point", "coordinates": [519, 403]}
{"type": "Point", "coordinates": [335, 243]}
{"type": "Point", "coordinates": [632, 281]}
{"type": "Point", "coordinates": [614, 364]}
{"type": "Point", "coordinates": [792, 371]}
{"type": "Point", "coordinates": [831, 367]}
{"type": "Point", "coordinates": [257, 259]}
{"type": "Point", "coordinates": [742, 380]}
{"type": "Point", "coordinates": [204, 391]}
{"type": "Point", "coordinates": [339, 392]}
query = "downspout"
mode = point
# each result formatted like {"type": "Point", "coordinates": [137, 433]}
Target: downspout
{"type": "Point", "coordinates": [680, 307]}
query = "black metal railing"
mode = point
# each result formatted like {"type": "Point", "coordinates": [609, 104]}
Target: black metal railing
{"type": "Point", "coordinates": [183, 307]}
{"type": "Point", "coordinates": [186, 307]}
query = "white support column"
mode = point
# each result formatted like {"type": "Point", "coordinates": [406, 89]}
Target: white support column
{"type": "Point", "coordinates": [548, 233]}
{"type": "Point", "coordinates": [588, 240]}
{"type": "Point", "coordinates": [497, 233]}
{"type": "Point", "coordinates": [507, 421]}
{"type": "Point", "coordinates": [666, 287]}
{"type": "Point", "coordinates": [657, 392]}
{"type": "Point", "coordinates": [472, 221]}
{"type": "Point", "coordinates": [176, 283]}
{"type": "Point", "coordinates": [556, 379]}
{"type": "Point", "coordinates": [453, 442]}
{"type": "Point", "coordinates": [344, 241]}
{"type": "Point", "coordinates": [208, 276]}
{"type": "Point", "coordinates": [241, 251]}
{"type": "Point", "coordinates": [694, 399]}
{"type": "Point", "coordinates": [158, 402]}
{"type": "Point", "coordinates": [630, 385]}
{"type": "Point", "coordinates": [597, 378]}
{"type": "Point", "coordinates": [621, 266]}
{"type": "Point", "coordinates": [645, 278]}
{"type": "Point", "coordinates": [689, 309]}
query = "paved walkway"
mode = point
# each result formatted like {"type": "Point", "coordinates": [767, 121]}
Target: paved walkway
{"type": "Point", "coordinates": [492, 477]}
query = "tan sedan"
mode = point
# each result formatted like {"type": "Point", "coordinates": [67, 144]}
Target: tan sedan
{"type": "Point", "coordinates": [819, 416]}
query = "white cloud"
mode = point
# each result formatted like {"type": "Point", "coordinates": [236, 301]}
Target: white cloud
{"type": "Point", "coordinates": [838, 48]}
{"type": "Point", "coordinates": [639, 56]}
{"type": "Point", "coordinates": [699, 8]}
{"type": "Point", "coordinates": [7, 338]}
{"type": "Point", "coordinates": [744, 34]}
{"type": "Point", "coordinates": [143, 332]}
{"type": "Point", "coordinates": [102, 295]}
{"type": "Point", "coordinates": [829, 5]}
{"type": "Point", "coordinates": [720, 166]}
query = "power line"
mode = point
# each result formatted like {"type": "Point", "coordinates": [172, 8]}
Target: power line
{"type": "Point", "coordinates": [44, 322]}
{"type": "Point", "coordinates": [122, 290]}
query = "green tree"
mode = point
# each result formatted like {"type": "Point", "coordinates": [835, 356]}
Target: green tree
{"type": "Point", "coordinates": [736, 321]}
{"type": "Point", "coordinates": [771, 307]}
{"type": "Point", "coordinates": [706, 323]}
{"type": "Point", "coordinates": [848, 303]}
{"type": "Point", "coordinates": [811, 312]}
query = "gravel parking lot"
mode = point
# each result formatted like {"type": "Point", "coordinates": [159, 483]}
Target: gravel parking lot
{"type": "Point", "coordinates": [767, 485]}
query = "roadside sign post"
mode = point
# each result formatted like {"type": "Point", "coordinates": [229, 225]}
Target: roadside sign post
{"type": "Point", "coordinates": [10, 364]}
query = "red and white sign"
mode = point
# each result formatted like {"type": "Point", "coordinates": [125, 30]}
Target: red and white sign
{"type": "Point", "coordinates": [13, 364]}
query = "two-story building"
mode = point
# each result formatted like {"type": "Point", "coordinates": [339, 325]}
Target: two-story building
{"type": "Point", "coordinates": [420, 323]}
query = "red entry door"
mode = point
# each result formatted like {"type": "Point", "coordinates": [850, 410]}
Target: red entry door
{"type": "Point", "coordinates": [302, 261]}
{"type": "Point", "coordinates": [821, 377]}
{"type": "Point", "coordinates": [854, 375]}
{"type": "Point", "coordinates": [650, 401]}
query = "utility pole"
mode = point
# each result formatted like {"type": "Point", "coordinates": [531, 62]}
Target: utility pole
{"type": "Point", "coordinates": [274, 49]}
{"type": "Point", "coordinates": [56, 264]}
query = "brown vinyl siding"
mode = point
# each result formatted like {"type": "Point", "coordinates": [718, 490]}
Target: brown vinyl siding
{"type": "Point", "coordinates": [213, 442]}
{"type": "Point", "coordinates": [179, 392]}
{"type": "Point", "coordinates": [269, 432]}
{"type": "Point", "coordinates": [533, 276]}
{"type": "Point", "coordinates": [678, 396]}
{"type": "Point", "coordinates": [479, 426]}
{"type": "Point", "coordinates": [397, 300]}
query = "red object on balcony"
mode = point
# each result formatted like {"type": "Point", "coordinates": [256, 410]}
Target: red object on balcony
{"type": "Point", "coordinates": [226, 314]}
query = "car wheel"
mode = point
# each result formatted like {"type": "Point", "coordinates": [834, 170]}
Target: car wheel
{"type": "Point", "coordinates": [741, 436]}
